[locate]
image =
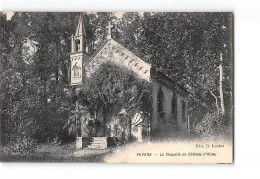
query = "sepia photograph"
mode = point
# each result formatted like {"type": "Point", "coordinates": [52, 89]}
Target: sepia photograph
{"type": "Point", "coordinates": [117, 87]}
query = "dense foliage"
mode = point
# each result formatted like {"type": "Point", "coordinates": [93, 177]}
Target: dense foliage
{"type": "Point", "coordinates": [110, 89]}
{"type": "Point", "coordinates": [188, 47]}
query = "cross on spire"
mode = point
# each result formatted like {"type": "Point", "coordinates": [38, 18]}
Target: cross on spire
{"type": "Point", "coordinates": [109, 27]}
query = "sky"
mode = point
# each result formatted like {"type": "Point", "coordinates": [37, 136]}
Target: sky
{"type": "Point", "coordinates": [8, 14]}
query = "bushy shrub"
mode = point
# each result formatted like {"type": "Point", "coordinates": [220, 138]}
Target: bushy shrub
{"type": "Point", "coordinates": [211, 125]}
{"type": "Point", "coordinates": [22, 145]}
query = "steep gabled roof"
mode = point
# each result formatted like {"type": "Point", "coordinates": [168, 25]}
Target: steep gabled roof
{"type": "Point", "coordinates": [111, 51]}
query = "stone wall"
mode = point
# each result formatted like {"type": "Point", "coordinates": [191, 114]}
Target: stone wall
{"type": "Point", "coordinates": [172, 119]}
{"type": "Point", "coordinates": [182, 121]}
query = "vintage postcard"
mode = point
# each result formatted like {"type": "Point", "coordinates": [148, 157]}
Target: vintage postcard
{"type": "Point", "coordinates": [117, 87]}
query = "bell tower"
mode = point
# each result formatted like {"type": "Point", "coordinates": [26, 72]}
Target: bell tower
{"type": "Point", "coordinates": [78, 53]}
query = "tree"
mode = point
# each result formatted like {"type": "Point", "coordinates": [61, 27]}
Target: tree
{"type": "Point", "coordinates": [73, 123]}
{"type": "Point", "coordinates": [187, 48]}
{"type": "Point", "coordinates": [113, 89]}
{"type": "Point", "coordinates": [14, 76]}
{"type": "Point", "coordinates": [34, 71]}
{"type": "Point", "coordinates": [194, 49]}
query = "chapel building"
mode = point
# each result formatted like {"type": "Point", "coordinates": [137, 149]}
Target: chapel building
{"type": "Point", "coordinates": [169, 109]}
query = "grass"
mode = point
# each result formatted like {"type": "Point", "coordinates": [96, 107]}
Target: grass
{"type": "Point", "coordinates": [55, 153]}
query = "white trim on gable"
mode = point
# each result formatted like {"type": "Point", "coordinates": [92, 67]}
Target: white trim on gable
{"type": "Point", "coordinates": [113, 52]}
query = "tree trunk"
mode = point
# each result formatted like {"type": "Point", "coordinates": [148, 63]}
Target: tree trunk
{"type": "Point", "coordinates": [104, 121]}
{"type": "Point", "coordinates": [129, 129]}
{"type": "Point", "coordinates": [78, 126]}
{"type": "Point", "coordinates": [216, 99]}
{"type": "Point", "coordinates": [220, 85]}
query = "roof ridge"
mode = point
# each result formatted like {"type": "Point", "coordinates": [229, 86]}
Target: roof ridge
{"type": "Point", "coordinates": [94, 55]}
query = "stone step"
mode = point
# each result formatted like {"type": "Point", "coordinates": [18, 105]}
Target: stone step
{"type": "Point", "coordinates": [99, 141]}
{"type": "Point", "coordinates": [98, 138]}
{"type": "Point", "coordinates": [94, 147]}
{"type": "Point", "coordinates": [96, 144]}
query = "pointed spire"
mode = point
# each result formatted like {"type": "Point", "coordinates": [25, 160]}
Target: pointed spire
{"type": "Point", "coordinates": [78, 42]}
{"type": "Point", "coordinates": [81, 31]}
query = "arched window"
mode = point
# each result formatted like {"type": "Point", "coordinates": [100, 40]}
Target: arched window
{"type": "Point", "coordinates": [160, 103]}
{"type": "Point", "coordinates": [174, 109]}
{"type": "Point", "coordinates": [173, 104]}
{"type": "Point", "coordinates": [183, 106]}
{"type": "Point", "coordinates": [77, 45]}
